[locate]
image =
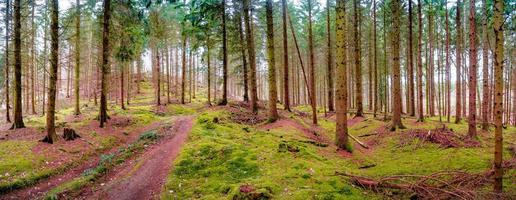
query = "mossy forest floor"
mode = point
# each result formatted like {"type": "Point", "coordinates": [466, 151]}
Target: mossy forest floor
{"type": "Point", "coordinates": [231, 154]}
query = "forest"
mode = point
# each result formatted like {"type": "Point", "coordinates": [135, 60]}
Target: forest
{"type": "Point", "coordinates": [258, 99]}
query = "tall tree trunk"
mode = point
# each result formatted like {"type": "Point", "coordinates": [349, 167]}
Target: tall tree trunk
{"type": "Point", "coordinates": [138, 73]}
{"type": "Point", "coordinates": [45, 57]}
{"type": "Point", "coordinates": [375, 62]}
{"type": "Point", "coordinates": [224, 100]}
{"type": "Point", "coordinates": [430, 67]}
{"type": "Point", "coordinates": [252, 58]}
{"type": "Point", "coordinates": [209, 68]}
{"type": "Point", "coordinates": [6, 64]}
{"type": "Point", "coordinates": [312, 64]}
{"type": "Point", "coordinates": [448, 83]}
{"type": "Point", "coordinates": [498, 19]}
{"type": "Point", "coordinates": [513, 91]}
{"type": "Point", "coordinates": [183, 70]}
{"type": "Point", "coordinates": [485, 71]}
{"type": "Point", "coordinates": [158, 77]}
{"type": "Point", "coordinates": [330, 59]}
{"type": "Point", "coordinates": [472, 118]}
{"type": "Point", "coordinates": [167, 58]}
{"type": "Point", "coordinates": [122, 71]}
{"type": "Point", "coordinates": [244, 60]}
{"type": "Point", "coordinates": [419, 77]}
{"type": "Point", "coordinates": [77, 57]}
{"type": "Point", "coordinates": [105, 63]}
{"type": "Point", "coordinates": [458, 65]}
{"type": "Point", "coordinates": [33, 59]}
{"type": "Point", "coordinates": [411, 106]}
{"type": "Point", "coordinates": [396, 80]}
{"type": "Point", "coordinates": [273, 96]}
{"type": "Point", "coordinates": [358, 67]}
{"type": "Point", "coordinates": [341, 93]}
{"type": "Point", "coordinates": [51, 108]}
{"type": "Point", "coordinates": [286, 100]}
{"type": "Point", "coordinates": [18, 117]}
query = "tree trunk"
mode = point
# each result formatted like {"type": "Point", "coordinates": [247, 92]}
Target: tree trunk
{"type": "Point", "coordinates": [329, 71]}
{"type": "Point", "coordinates": [51, 108]}
{"type": "Point", "coordinates": [430, 67]}
{"type": "Point", "coordinates": [485, 71]}
{"type": "Point", "coordinates": [286, 100]}
{"type": "Point", "coordinates": [209, 68]}
{"type": "Point", "coordinates": [458, 65]}
{"type": "Point", "coordinates": [183, 70]}
{"type": "Point", "coordinates": [375, 62]}
{"type": "Point", "coordinates": [77, 57]}
{"type": "Point", "coordinates": [122, 71]}
{"type": "Point", "coordinates": [158, 77]}
{"type": "Point", "coordinates": [105, 63]}
{"type": "Point", "coordinates": [18, 117]}
{"type": "Point", "coordinates": [273, 96]}
{"type": "Point", "coordinates": [341, 93]}
{"type": "Point", "coordinates": [244, 60]}
{"type": "Point", "coordinates": [33, 60]}
{"type": "Point", "coordinates": [420, 114]}
{"type": "Point", "coordinates": [224, 100]}
{"type": "Point", "coordinates": [448, 83]}
{"type": "Point", "coordinates": [6, 64]}
{"type": "Point", "coordinates": [312, 64]}
{"type": "Point", "coordinates": [396, 80]}
{"type": "Point", "coordinates": [498, 19]}
{"type": "Point", "coordinates": [411, 106]}
{"type": "Point", "coordinates": [472, 118]}
{"type": "Point", "coordinates": [358, 67]}
{"type": "Point", "coordinates": [167, 58]}
{"type": "Point", "coordinates": [252, 61]}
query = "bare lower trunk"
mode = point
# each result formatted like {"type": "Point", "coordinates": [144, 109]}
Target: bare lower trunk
{"type": "Point", "coordinates": [472, 118]}
{"type": "Point", "coordinates": [341, 93]}
{"type": "Point", "coordinates": [18, 117]}
{"type": "Point", "coordinates": [498, 72]}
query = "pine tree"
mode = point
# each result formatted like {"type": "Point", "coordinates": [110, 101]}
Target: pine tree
{"type": "Point", "coordinates": [458, 65]}
{"type": "Point", "coordinates": [77, 57]}
{"type": "Point", "coordinates": [105, 67]}
{"type": "Point", "coordinates": [54, 64]}
{"type": "Point", "coordinates": [18, 117]}
{"type": "Point", "coordinates": [341, 93]}
{"type": "Point", "coordinates": [273, 96]}
{"type": "Point", "coordinates": [396, 79]}
{"type": "Point", "coordinates": [472, 81]}
{"type": "Point", "coordinates": [6, 64]}
{"type": "Point", "coordinates": [498, 19]}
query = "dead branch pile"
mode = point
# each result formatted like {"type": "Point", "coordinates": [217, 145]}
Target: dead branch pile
{"type": "Point", "coordinates": [444, 137]}
{"type": "Point", "coordinates": [241, 114]}
{"type": "Point", "coordinates": [441, 185]}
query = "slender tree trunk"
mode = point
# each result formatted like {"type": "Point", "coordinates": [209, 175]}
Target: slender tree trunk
{"type": "Point", "coordinates": [286, 100]}
{"type": "Point", "coordinates": [411, 106]}
{"type": "Point", "coordinates": [485, 71]}
{"type": "Point", "coordinates": [273, 96]}
{"type": "Point", "coordinates": [341, 93]}
{"type": "Point", "coordinates": [244, 60]}
{"type": "Point", "coordinates": [430, 75]}
{"type": "Point", "coordinates": [252, 61]}
{"type": "Point", "coordinates": [312, 64]}
{"type": "Point", "coordinates": [513, 92]}
{"type": "Point", "coordinates": [77, 57]}
{"type": "Point", "coordinates": [183, 70]}
{"type": "Point", "coordinates": [138, 73]}
{"type": "Point", "coordinates": [358, 67]}
{"type": "Point", "coordinates": [209, 68]}
{"type": "Point", "coordinates": [458, 65]}
{"type": "Point", "coordinates": [448, 83]}
{"type": "Point", "coordinates": [396, 81]}
{"type": "Point", "coordinates": [158, 77]}
{"type": "Point", "coordinates": [105, 63]}
{"type": "Point", "coordinates": [330, 59]}
{"type": "Point", "coordinates": [6, 64]}
{"type": "Point", "coordinates": [18, 117]}
{"type": "Point", "coordinates": [419, 77]}
{"type": "Point", "coordinates": [224, 100]}
{"type": "Point", "coordinates": [498, 19]}
{"type": "Point", "coordinates": [122, 71]}
{"type": "Point", "coordinates": [54, 34]}
{"type": "Point", "coordinates": [375, 62]}
{"type": "Point", "coordinates": [167, 58]}
{"type": "Point", "coordinates": [45, 58]}
{"type": "Point", "coordinates": [33, 60]}
{"type": "Point", "coordinates": [472, 124]}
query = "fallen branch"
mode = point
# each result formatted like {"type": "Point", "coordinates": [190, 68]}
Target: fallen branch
{"type": "Point", "coordinates": [358, 141]}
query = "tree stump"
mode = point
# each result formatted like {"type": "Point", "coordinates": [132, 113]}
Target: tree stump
{"type": "Point", "coordinates": [70, 134]}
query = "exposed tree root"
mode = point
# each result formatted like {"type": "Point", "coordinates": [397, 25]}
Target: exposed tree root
{"type": "Point", "coordinates": [445, 137]}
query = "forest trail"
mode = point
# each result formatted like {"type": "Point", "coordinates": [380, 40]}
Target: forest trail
{"type": "Point", "coordinates": [143, 178]}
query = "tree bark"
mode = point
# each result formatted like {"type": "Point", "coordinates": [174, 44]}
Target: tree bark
{"type": "Point", "coordinates": [18, 117]}
{"type": "Point", "coordinates": [77, 57]}
{"type": "Point", "coordinates": [420, 114]}
{"type": "Point", "coordinates": [329, 71]}
{"type": "Point", "coordinates": [358, 67]}
{"type": "Point", "coordinates": [472, 81]}
{"type": "Point", "coordinates": [6, 64]}
{"type": "Point", "coordinates": [224, 100]}
{"type": "Point", "coordinates": [498, 19]}
{"type": "Point", "coordinates": [411, 106]}
{"type": "Point", "coordinates": [209, 68]}
{"type": "Point", "coordinates": [375, 62]}
{"type": "Point", "coordinates": [430, 67]}
{"type": "Point", "coordinates": [448, 83]}
{"type": "Point", "coordinates": [105, 68]}
{"type": "Point", "coordinates": [244, 60]}
{"type": "Point", "coordinates": [341, 93]}
{"type": "Point", "coordinates": [183, 70]}
{"type": "Point", "coordinates": [396, 80]}
{"type": "Point", "coordinates": [312, 64]}
{"type": "Point", "coordinates": [51, 107]}
{"type": "Point", "coordinates": [252, 61]}
{"type": "Point", "coordinates": [33, 60]}
{"type": "Point", "coordinates": [286, 97]}
{"type": "Point", "coordinates": [458, 56]}
{"type": "Point", "coordinates": [273, 96]}
{"type": "Point", "coordinates": [485, 71]}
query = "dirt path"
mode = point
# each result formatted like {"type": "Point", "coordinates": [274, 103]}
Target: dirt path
{"type": "Point", "coordinates": [143, 177]}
